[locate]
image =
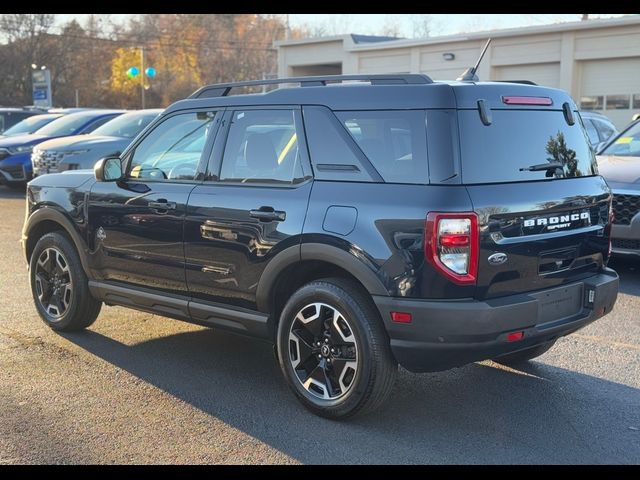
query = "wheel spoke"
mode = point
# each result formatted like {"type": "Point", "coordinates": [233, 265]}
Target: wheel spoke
{"type": "Point", "coordinates": [316, 382]}
{"type": "Point", "coordinates": [61, 263]}
{"type": "Point", "coordinates": [302, 349]}
{"type": "Point", "coordinates": [65, 295]}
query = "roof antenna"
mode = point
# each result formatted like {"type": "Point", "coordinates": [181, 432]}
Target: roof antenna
{"type": "Point", "coordinates": [469, 74]}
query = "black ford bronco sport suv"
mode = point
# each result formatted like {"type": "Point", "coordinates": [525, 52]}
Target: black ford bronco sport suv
{"type": "Point", "coordinates": [357, 225]}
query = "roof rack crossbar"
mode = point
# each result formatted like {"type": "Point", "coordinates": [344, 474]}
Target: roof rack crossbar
{"type": "Point", "coordinates": [223, 89]}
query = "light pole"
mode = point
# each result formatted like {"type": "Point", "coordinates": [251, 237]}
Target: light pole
{"type": "Point", "coordinates": [142, 74]}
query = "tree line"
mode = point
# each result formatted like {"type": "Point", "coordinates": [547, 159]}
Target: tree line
{"type": "Point", "coordinates": [89, 61]}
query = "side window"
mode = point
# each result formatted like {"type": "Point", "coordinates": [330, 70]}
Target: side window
{"type": "Point", "coordinates": [262, 146]}
{"type": "Point", "coordinates": [394, 141]}
{"type": "Point", "coordinates": [98, 123]}
{"type": "Point", "coordinates": [591, 132]}
{"type": "Point", "coordinates": [172, 150]}
{"type": "Point", "coordinates": [332, 151]}
{"type": "Point", "coordinates": [605, 129]}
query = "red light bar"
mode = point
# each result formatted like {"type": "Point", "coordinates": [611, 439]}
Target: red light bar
{"type": "Point", "coordinates": [515, 336]}
{"type": "Point", "coordinates": [527, 101]}
{"type": "Point", "coordinates": [401, 317]}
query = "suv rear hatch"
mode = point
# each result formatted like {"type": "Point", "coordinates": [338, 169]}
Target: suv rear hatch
{"type": "Point", "coordinates": [540, 226]}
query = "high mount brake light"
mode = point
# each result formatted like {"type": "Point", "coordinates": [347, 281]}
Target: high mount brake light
{"type": "Point", "coordinates": [527, 101]}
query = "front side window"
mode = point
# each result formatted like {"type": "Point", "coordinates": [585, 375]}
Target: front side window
{"type": "Point", "coordinates": [394, 141]}
{"type": "Point", "coordinates": [172, 150]}
{"type": "Point", "coordinates": [262, 146]}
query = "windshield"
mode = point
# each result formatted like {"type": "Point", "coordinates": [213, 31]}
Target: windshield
{"type": "Point", "coordinates": [30, 125]}
{"type": "Point", "coordinates": [127, 125]}
{"type": "Point", "coordinates": [519, 140]}
{"type": "Point", "coordinates": [67, 125]}
{"type": "Point", "coordinates": [627, 144]}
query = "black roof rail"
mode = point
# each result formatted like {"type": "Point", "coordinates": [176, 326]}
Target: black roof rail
{"type": "Point", "coordinates": [526, 82]}
{"type": "Point", "coordinates": [223, 89]}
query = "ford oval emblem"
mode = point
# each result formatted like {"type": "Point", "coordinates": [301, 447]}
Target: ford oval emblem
{"type": "Point", "coordinates": [497, 258]}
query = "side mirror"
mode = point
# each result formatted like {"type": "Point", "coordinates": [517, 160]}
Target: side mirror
{"type": "Point", "coordinates": [108, 169]}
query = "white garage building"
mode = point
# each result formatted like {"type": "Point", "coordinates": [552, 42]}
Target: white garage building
{"type": "Point", "coordinates": [598, 60]}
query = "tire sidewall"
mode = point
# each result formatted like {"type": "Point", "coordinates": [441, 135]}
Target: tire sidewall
{"type": "Point", "coordinates": [318, 292]}
{"type": "Point", "coordinates": [61, 243]}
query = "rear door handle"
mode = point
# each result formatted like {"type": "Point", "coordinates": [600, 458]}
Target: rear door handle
{"type": "Point", "coordinates": [268, 214]}
{"type": "Point", "coordinates": [162, 204]}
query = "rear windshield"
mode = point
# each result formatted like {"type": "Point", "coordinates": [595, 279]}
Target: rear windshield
{"type": "Point", "coordinates": [520, 139]}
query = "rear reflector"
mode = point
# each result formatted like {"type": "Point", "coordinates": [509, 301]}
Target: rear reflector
{"type": "Point", "coordinates": [527, 101]}
{"type": "Point", "coordinates": [514, 336]}
{"type": "Point", "coordinates": [401, 317]}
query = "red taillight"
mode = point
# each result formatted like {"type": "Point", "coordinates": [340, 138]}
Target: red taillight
{"type": "Point", "coordinates": [527, 101]}
{"type": "Point", "coordinates": [451, 245]}
{"type": "Point", "coordinates": [401, 317]}
{"type": "Point", "coordinates": [515, 336]}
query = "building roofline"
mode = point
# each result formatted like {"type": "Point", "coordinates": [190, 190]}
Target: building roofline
{"type": "Point", "coordinates": [483, 35]}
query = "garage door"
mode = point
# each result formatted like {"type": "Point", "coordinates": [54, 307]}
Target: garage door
{"type": "Point", "coordinates": [611, 87]}
{"type": "Point", "coordinates": [547, 74]}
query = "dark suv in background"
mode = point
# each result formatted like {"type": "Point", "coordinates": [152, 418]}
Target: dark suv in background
{"type": "Point", "coordinates": [395, 220]}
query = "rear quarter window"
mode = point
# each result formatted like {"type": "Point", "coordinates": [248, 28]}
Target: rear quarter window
{"type": "Point", "coordinates": [394, 141]}
{"type": "Point", "coordinates": [518, 139]}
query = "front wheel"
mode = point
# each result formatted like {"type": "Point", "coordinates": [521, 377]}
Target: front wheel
{"type": "Point", "coordinates": [59, 285]}
{"type": "Point", "coordinates": [333, 349]}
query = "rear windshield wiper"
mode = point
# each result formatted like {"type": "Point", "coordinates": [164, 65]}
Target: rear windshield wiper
{"type": "Point", "coordinates": [542, 167]}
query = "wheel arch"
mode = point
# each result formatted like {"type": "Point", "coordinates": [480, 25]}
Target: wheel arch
{"type": "Point", "coordinates": [300, 264]}
{"type": "Point", "coordinates": [46, 220]}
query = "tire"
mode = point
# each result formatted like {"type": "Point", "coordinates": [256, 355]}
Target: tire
{"type": "Point", "coordinates": [525, 355]}
{"type": "Point", "coordinates": [353, 350]}
{"type": "Point", "coordinates": [55, 264]}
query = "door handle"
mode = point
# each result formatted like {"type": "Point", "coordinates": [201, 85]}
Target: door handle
{"type": "Point", "coordinates": [268, 214]}
{"type": "Point", "coordinates": [162, 204]}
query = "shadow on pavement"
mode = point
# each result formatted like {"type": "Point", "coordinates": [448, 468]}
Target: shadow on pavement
{"type": "Point", "coordinates": [6, 192]}
{"type": "Point", "coordinates": [475, 414]}
{"type": "Point", "coordinates": [629, 271]}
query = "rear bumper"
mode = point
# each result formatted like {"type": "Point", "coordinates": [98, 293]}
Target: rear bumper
{"type": "Point", "coordinates": [446, 334]}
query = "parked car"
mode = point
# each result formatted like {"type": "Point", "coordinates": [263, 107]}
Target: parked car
{"type": "Point", "coordinates": [329, 222]}
{"type": "Point", "coordinates": [619, 164]}
{"type": "Point", "coordinates": [82, 151]}
{"type": "Point", "coordinates": [15, 152]}
{"type": "Point", "coordinates": [10, 116]}
{"type": "Point", "coordinates": [30, 124]}
{"type": "Point", "coordinates": [599, 129]}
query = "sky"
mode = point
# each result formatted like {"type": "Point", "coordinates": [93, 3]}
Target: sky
{"type": "Point", "coordinates": [402, 24]}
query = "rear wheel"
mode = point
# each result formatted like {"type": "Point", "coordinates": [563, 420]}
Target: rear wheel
{"type": "Point", "coordinates": [525, 355]}
{"type": "Point", "coordinates": [59, 285]}
{"type": "Point", "coordinates": [333, 349]}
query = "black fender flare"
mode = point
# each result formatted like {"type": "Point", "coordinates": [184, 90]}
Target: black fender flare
{"type": "Point", "coordinates": [321, 252]}
{"type": "Point", "coordinates": [53, 215]}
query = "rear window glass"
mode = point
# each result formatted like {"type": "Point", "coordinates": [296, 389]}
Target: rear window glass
{"type": "Point", "coordinates": [394, 141]}
{"type": "Point", "coordinates": [520, 139]}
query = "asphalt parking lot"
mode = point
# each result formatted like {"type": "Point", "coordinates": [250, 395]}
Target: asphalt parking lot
{"type": "Point", "coordinates": [138, 388]}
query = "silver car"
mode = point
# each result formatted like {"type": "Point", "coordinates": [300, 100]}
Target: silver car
{"type": "Point", "coordinates": [619, 164]}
